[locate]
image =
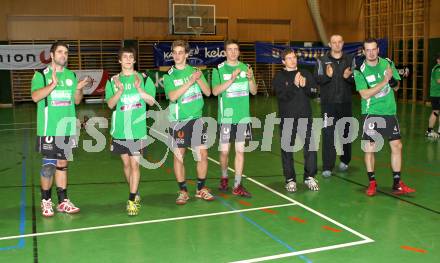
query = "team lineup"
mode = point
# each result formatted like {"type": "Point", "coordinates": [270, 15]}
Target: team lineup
{"type": "Point", "coordinates": [129, 94]}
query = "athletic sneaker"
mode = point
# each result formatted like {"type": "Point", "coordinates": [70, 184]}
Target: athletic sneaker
{"type": "Point", "coordinates": [402, 189]}
{"type": "Point", "coordinates": [343, 167]}
{"type": "Point", "coordinates": [241, 191]}
{"type": "Point", "coordinates": [182, 197]}
{"type": "Point", "coordinates": [312, 183]}
{"type": "Point", "coordinates": [291, 187]}
{"type": "Point", "coordinates": [371, 190]}
{"type": "Point", "coordinates": [137, 201]}
{"type": "Point", "coordinates": [223, 185]}
{"type": "Point", "coordinates": [47, 208]}
{"type": "Point", "coordinates": [432, 134]}
{"type": "Point", "coordinates": [204, 194]}
{"type": "Point", "coordinates": [67, 207]}
{"type": "Point", "coordinates": [132, 208]}
{"type": "Point", "coordinates": [327, 173]}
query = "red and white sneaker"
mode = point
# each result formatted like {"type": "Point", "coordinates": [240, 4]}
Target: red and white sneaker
{"type": "Point", "coordinates": [371, 190]}
{"type": "Point", "coordinates": [47, 208]}
{"type": "Point", "coordinates": [182, 197]}
{"type": "Point", "coordinates": [402, 189]}
{"type": "Point", "coordinates": [67, 207]}
{"type": "Point", "coordinates": [223, 185]}
{"type": "Point", "coordinates": [241, 191]}
{"type": "Point", "coordinates": [204, 194]}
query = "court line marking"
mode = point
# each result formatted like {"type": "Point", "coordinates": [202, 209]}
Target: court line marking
{"type": "Point", "coordinates": [17, 123]}
{"type": "Point", "coordinates": [292, 202]}
{"type": "Point", "coordinates": [143, 222]}
{"type": "Point", "coordinates": [18, 129]}
{"type": "Point", "coordinates": [265, 231]}
{"type": "Point", "coordinates": [364, 238]}
{"type": "Point", "coordinates": [302, 252]}
{"type": "Point", "coordinates": [289, 199]}
{"type": "Point", "coordinates": [22, 224]}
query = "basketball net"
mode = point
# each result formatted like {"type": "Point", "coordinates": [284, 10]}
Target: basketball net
{"type": "Point", "coordinates": [197, 30]}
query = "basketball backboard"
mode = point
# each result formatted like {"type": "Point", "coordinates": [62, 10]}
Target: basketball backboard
{"type": "Point", "coordinates": [193, 19]}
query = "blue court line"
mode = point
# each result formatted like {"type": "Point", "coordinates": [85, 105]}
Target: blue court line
{"type": "Point", "coordinates": [21, 241]}
{"type": "Point", "coordinates": [291, 249]}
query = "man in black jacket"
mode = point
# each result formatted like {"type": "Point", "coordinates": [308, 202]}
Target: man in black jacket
{"type": "Point", "coordinates": [293, 88]}
{"type": "Point", "coordinates": [334, 75]}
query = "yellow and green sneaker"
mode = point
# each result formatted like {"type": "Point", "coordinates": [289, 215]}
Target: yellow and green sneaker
{"type": "Point", "coordinates": [137, 201]}
{"type": "Point", "coordinates": [132, 208]}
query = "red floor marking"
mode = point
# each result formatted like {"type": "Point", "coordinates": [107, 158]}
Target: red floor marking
{"type": "Point", "coordinates": [299, 220]}
{"type": "Point", "coordinates": [168, 170]}
{"type": "Point", "coordinates": [357, 158]}
{"type": "Point", "coordinates": [332, 229]}
{"type": "Point", "coordinates": [225, 196]}
{"type": "Point", "coordinates": [269, 211]}
{"type": "Point", "coordinates": [244, 203]}
{"type": "Point", "coordinates": [416, 170]}
{"type": "Point", "coordinates": [414, 249]}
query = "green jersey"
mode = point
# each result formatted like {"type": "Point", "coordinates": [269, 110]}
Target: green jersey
{"type": "Point", "coordinates": [129, 116]}
{"type": "Point", "coordinates": [56, 114]}
{"type": "Point", "coordinates": [383, 103]}
{"type": "Point", "coordinates": [233, 103]}
{"type": "Point", "coordinates": [435, 86]}
{"type": "Point", "coordinates": [189, 106]}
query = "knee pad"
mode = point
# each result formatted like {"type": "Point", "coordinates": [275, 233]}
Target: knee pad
{"type": "Point", "coordinates": [435, 113]}
{"type": "Point", "coordinates": [48, 167]}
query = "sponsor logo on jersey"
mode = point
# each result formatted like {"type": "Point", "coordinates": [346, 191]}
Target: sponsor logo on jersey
{"type": "Point", "coordinates": [131, 106]}
{"type": "Point", "coordinates": [130, 99]}
{"type": "Point", "coordinates": [227, 76]}
{"type": "Point", "coordinates": [178, 82]}
{"type": "Point", "coordinates": [370, 78]}
{"type": "Point", "coordinates": [69, 82]}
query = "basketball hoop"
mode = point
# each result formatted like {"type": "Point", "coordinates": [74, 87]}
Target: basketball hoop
{"type": "Point", "coordinates": [193, 19]}
{"type": "Point", "coordinates": [197, 30]}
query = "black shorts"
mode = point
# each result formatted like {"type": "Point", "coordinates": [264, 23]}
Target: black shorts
{"type": "Point", "coordinates": [56, 147]}
{"type": "Point", "coordinates": [435, 103]}
{"type": "Point", "coordinates": [184, 134]}
{"type": "Point", "coordinates": [240, 132]}
{"type": "Point", "coordinates": [131, 147]}
{"type": "Point", "coordinates": [385, 125]}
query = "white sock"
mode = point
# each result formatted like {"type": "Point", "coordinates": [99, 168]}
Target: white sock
{"type": "Point", "coordinates": [237, 181]}
{"type": "Point", "coordinates": [225, 173]}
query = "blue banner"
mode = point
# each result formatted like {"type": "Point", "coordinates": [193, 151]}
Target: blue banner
{"type": "Point", "coordinates": [271, 54]}
{"type": "Point", "coordinates": [201, 54]}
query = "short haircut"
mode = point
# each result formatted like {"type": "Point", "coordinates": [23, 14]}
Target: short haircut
{"type": "Point", "coordinates": [368, 41]}
{"type": "Point", "coordinates": [286, 52]}
{"type": "Point", "coordinates": [335, 35]}
{"type": "Point", "coordinates": [123, 50]}
{"type": "Point", "coordinates": [57, 44]}
{"type": "Point", "coordinates": [230, 42]}
{"type": "Point", "coordinates": [181, 43]}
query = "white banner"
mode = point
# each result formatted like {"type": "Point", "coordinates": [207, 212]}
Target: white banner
{"type": "Point", "coordinates": [16, 57]}
{"type": "Point", "coordinates": [99, 77]}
